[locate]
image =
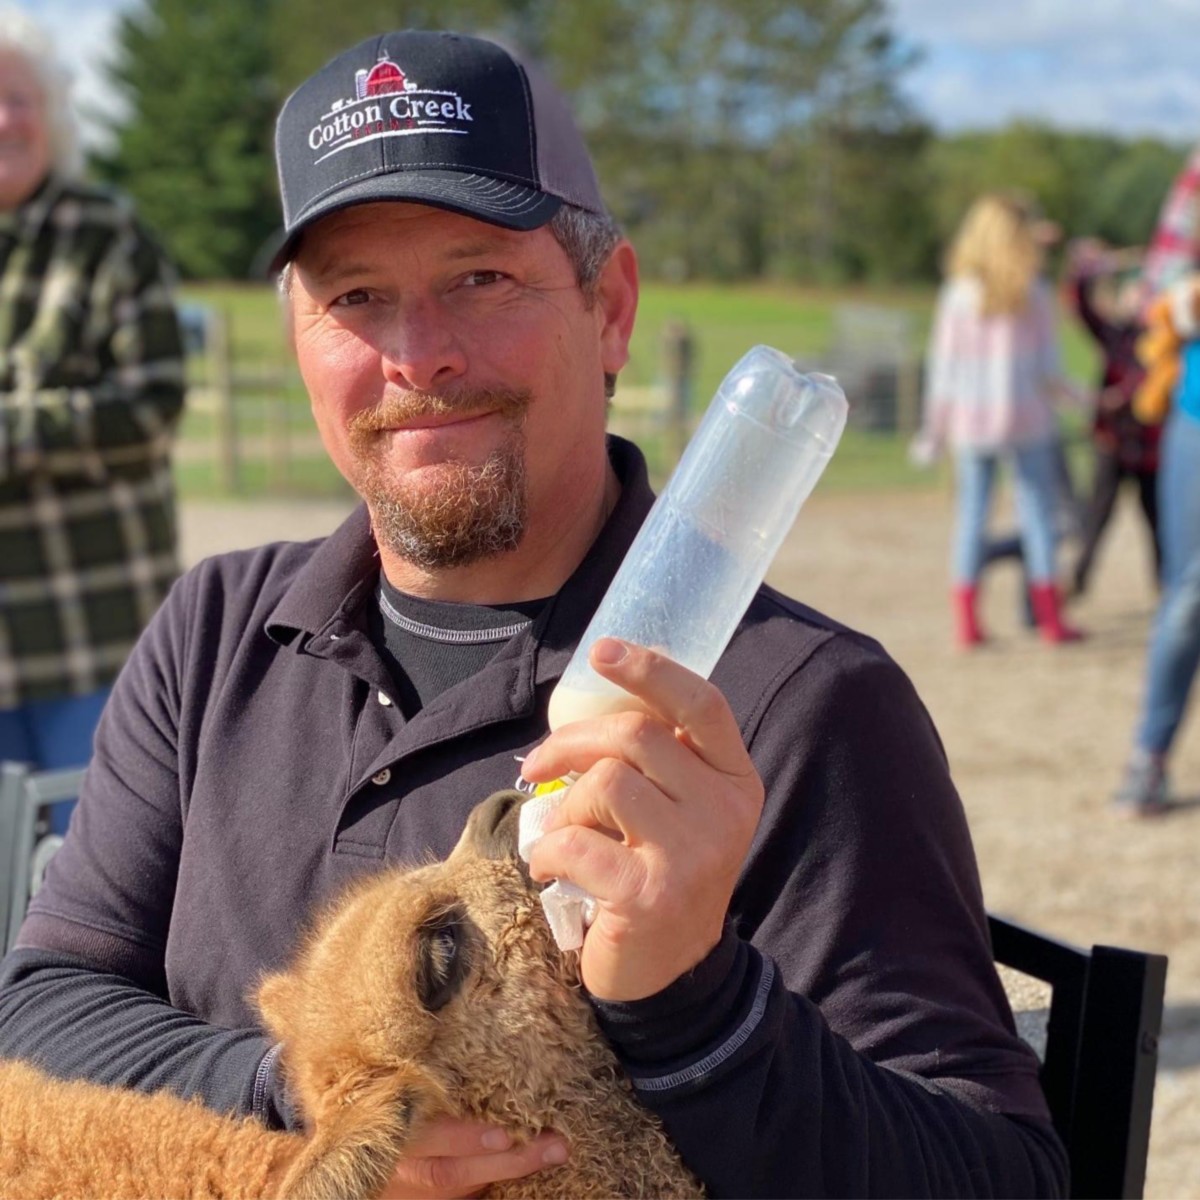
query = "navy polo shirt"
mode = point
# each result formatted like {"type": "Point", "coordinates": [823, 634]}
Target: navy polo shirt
{"type": "Point", "coordinates": [848, 1035]}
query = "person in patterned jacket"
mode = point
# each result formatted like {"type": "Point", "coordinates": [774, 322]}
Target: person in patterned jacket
{"type": "Point", "coordinates": [91, 388]}
{"type": "Point", "coordinates": [1125, 449]}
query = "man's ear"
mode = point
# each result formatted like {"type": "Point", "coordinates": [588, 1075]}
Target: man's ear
{"type": "Point", "coordinates": [616, 300]}
{"type": "Point", "coordinates": [285, 284]}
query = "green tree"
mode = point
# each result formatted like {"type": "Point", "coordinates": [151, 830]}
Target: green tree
{"type": "Point", "coordinates": [1022, 156]}
{"type": "Point", "coordinates": [698, 112]}
{"type": "Point", "coordinates": [732, 132]}
{"type": "Point", "coordinates": [1092, 184]}
{"type": "Point", "coordinates": [1125, 201]}
{"type": "Point", "coordinates": [194, 149]}
{"type": "Point", "coordinates": [885, 231]}
{"type": "Point", "coordinates": [733, 138]}
{"type": "Point", "coordinates": [577, 41]}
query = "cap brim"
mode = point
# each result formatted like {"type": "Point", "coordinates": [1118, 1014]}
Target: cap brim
{"type": "Point", "coordinates": [511, 205]}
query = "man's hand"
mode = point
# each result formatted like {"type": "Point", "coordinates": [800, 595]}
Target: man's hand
{"type": "Point", "coordinates": [451, 1158]}
{"type": "Point", "coordinates": [657, 826]}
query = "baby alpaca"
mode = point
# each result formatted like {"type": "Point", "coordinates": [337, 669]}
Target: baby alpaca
{"type": "Point", "coordinates": [422, 992]}
{"type": "Point", "coordinates": [81, 1141]}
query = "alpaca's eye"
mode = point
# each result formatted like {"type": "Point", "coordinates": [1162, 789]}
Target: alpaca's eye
{"type": "Point", "coordinates": [443, 947]}
{"type": "Point", "coordinates": [442, 961]}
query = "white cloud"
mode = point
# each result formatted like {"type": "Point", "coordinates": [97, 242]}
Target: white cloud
{"type": "Point", "coordinates": [1123, 66]}
{"type": "Point", "coordinates": [1042, 22]}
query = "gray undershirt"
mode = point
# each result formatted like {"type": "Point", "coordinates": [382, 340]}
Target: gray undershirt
{"type": "Point", "coordinates": [430, 645]}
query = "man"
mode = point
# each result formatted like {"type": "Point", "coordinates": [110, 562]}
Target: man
{"type": "Point", "coordinates": [790, 955]}
{"type": "Point", "coordinates": [91, 385]}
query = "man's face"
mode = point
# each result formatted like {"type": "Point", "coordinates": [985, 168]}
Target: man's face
{"type": "Point", "coordinates": [24, 135]}
{"type": "Point", "coordinates": [456, 374]}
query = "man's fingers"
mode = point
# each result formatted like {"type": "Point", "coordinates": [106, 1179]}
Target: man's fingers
{"type": "Point", "coordinates": [637, 779]}
{"type": "Point", "coordinates": [451, 1136]}
{"type": "Point", "coordinates": [602, 867]}
{"type": "Point", "coordinates": [679, 697]}
{"type": "Point", "coordinates": [464, 1174]}
{"type": "Point", "coordinates": [640, 740]}
{"type": "Point", "coordinates": [617, 796]}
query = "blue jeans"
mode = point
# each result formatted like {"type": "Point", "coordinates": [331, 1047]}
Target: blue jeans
{"type": "Point", "coordinates": [52, 734]}
{"type": "Point", "coordinates": [1036, 476]}
{"type": "Point", "coordinates": [1175, 639]}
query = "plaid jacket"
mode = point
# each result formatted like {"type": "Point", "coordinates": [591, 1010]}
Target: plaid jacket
{"type": "Point", "coordinates": [91, 387]}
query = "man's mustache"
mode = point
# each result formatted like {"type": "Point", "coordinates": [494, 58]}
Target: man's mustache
{"type": "Point", "coordinates": [399, 408]}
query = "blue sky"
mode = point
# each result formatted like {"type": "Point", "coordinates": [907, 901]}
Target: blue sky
{"type": "Point", "coordinates": [1125, 66]}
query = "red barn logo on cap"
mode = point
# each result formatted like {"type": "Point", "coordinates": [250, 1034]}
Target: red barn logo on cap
{"type": "Point", "coordinates": [381, 80]}
{"type": "Point", "coordinates": [387, 103]}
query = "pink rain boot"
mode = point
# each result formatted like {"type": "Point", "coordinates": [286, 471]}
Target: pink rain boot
{"type": "Point", "coordinates": [1047, 608]}
{"type": "Point", "coordinates": [967, 633]}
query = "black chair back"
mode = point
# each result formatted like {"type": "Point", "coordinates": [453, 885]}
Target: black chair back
{"type": "Point", "coordinates": [1101, 1051]}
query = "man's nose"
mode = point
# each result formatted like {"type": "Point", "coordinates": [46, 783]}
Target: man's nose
{"type": "Point", "coordinates": [422, 350]}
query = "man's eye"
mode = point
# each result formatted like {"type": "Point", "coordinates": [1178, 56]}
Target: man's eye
{"type": "Point", "coordinates": [352, 298]}
{"type": "Point", "coordinates": [482, 278]}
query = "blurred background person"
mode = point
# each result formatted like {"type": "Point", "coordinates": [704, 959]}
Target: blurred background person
{"type": "Point", "coordinates": [992, 382]}
{"type": "Point", "coordinates": [91, 388]}
{"type": "Point", "coordinates": [1174, 249]}
{"type": "Point", "coordinates": [1174, 650]}
{"type": "Point", "coordinates": [1124, 449]}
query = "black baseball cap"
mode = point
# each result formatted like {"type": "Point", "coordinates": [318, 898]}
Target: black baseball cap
{"type": "Point", "coordinates": [457, 122]}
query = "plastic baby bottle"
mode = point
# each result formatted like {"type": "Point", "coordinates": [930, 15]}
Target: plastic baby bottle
{"type": "Point", "coordinates": [707, 542]}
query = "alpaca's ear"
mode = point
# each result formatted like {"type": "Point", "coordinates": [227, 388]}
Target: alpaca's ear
{"type": "Point", "coordinates": [277, 998]}
{"type": "Point", "coordinates": [353, 1156]}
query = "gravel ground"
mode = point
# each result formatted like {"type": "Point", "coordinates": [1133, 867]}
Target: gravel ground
{"type": "Point", "coordinates": [1036, 738]}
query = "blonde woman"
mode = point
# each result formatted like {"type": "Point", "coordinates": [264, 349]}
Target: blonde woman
{"type": "Point", "coordinates": [992, 381]}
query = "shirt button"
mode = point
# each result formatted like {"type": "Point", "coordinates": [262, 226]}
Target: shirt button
{"type": "Point", "coordinates": [381, 777]}
{"type": "Point", "coordinates": [385, 699]}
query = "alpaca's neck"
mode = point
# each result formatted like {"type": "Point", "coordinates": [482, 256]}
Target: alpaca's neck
{"type": "Point", "coordinates": [617, 1147]}
{"type": "Point", "coordinates": [593, 1105]}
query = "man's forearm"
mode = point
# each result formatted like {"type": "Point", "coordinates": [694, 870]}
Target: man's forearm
{"type": "Point", "coordinates": [78, 1023]}
{"type": "Point", "coordinates": [775, 1104]}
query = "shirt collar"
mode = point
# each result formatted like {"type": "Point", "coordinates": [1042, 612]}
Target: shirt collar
{"type": "Point", "coordinates": [334, 581]}
{"type": "Point", "coordinates": [342, 571]}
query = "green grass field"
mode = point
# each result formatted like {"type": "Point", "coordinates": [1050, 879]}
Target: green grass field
{"type": "Point", "coordinates": [725, 323]}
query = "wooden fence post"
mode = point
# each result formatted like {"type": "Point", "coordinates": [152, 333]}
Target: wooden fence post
{"type": "Point", "coordinates": [221, 365]}
{"type": "Point", "coordinates": [679, 359]}
{"type": "Point", "coordinates": [908, 395]}
{"type": "Point", "coordinates": [278, 441]}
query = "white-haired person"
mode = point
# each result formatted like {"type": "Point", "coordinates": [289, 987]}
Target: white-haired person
{"type": "Point", "coordinates": [992, 384]}
{"type": "Point", "coordinates": [91, 388]}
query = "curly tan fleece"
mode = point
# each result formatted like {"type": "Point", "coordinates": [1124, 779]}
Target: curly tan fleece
{"type": "Point", "coordinates": [368, 1060]}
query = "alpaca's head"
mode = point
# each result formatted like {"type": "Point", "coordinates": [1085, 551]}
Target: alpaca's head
{"type": "Point", "coordinates": [438, 987]}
